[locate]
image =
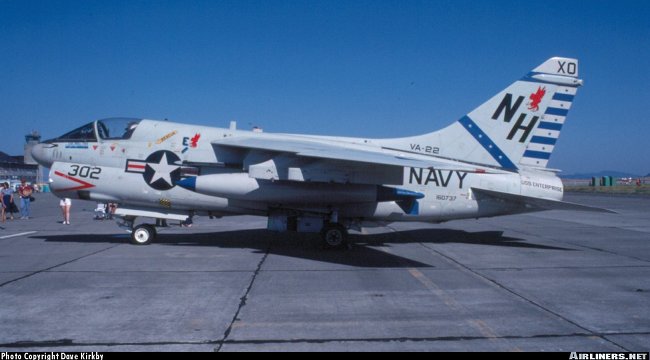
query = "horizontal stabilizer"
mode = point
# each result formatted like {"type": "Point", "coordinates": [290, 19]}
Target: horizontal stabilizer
{"type": "Point", "coordinates": [540, 203]}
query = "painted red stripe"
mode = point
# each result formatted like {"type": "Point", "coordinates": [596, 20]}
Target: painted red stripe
{"type": "Point", "coordinates": [136, 166]}
{"type": "Point", "coordinates": [84, 184]}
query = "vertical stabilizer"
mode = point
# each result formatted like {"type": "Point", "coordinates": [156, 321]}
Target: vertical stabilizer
{"type": "Point", "coordinates": [518, 127]}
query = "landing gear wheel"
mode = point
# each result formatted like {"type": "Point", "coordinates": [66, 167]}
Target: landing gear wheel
{"type": "Point", "coordinates": [334, 236]}
{"type": "Point", "coordinates": [143, 234]}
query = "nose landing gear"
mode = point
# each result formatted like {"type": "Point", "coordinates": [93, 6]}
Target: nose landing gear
{"type": "Point", "coordinates": [143, 234]}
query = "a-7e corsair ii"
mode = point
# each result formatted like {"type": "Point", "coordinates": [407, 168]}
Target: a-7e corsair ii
{"type": "Point", "coordinates": [490, 162]}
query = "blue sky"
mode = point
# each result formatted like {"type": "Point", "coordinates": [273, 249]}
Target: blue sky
{"type": "Point", "coordinates": [350, 68]}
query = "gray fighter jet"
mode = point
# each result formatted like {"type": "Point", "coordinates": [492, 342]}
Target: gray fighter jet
{"type": "Point", "coordinates": [490, 162]}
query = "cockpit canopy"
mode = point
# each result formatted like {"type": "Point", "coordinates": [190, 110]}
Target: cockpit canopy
{"type": "Point", "coordinates": [105, 129]}
{"type": "Point", "coordinates": [116, 128]}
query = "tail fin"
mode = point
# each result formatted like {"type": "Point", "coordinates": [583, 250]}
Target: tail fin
{"type": "Point", "coordinates": [516, 128]}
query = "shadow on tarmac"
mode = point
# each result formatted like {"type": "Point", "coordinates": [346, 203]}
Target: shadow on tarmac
{"type": "Point", "coordinates": [362, 252]}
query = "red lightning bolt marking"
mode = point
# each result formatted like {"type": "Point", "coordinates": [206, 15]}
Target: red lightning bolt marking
{"type": "Point", "coordinates": [194, 140]}
{"type": "Point", "coordinates": [84, 185]}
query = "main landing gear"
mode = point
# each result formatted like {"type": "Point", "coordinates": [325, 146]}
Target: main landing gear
{"type": "Point", "coordinates": [334, 236]}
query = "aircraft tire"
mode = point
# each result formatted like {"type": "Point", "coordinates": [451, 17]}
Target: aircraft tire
{"type": "Point", "coordinates": [143, 234]}
{"type": "Point", "coordinates": [334, 236]}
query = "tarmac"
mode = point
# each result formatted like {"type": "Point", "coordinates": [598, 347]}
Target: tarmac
{"type": "Point", "coordinates": [549, 281]}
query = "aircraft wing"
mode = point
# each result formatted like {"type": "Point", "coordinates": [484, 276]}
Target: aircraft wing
{"type": "Point", "coordinates": [539, 203]}
{"type": "Point", "coordinates": [337, 151]}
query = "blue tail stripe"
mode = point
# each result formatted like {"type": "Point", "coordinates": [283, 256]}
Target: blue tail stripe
{"type": "Point", "coordinates": [563, 97]}
{"type": "Point", "coordinates": [487, 143]}
{"type": "Point", "coordinates": [543, 140]}
{"type": "Point", "coordinates": [550, 126]}
{"type": "Point", "coordinates": [556, 111]}
{"type": "Point", "coordinates": [537, 154]}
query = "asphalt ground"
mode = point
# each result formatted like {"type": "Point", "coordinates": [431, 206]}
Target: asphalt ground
{"type": "Point", "coordinates": [550, 281]}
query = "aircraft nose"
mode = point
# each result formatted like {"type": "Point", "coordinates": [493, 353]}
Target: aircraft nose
{"type": "Point", "coordinates": [42, 153]}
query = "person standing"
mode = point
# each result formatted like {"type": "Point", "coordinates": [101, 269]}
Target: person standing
{"type": "Point", "coordinates": [111, 210]}
{"type": "Point", "coordinates": [25, 191]}
{"type": "Point", "coordinates": [65, 204]}
{"type": "Point", "coordinates": [7, 197]}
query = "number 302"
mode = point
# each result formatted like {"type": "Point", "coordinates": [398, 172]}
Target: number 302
{"type": "Point", "coordinates": [85, 171]}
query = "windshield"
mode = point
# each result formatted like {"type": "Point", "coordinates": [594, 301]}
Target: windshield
{"type": "Point", "coordinates": [84, 133]}
{"type": "Point", "coordinates": [116, 128]}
